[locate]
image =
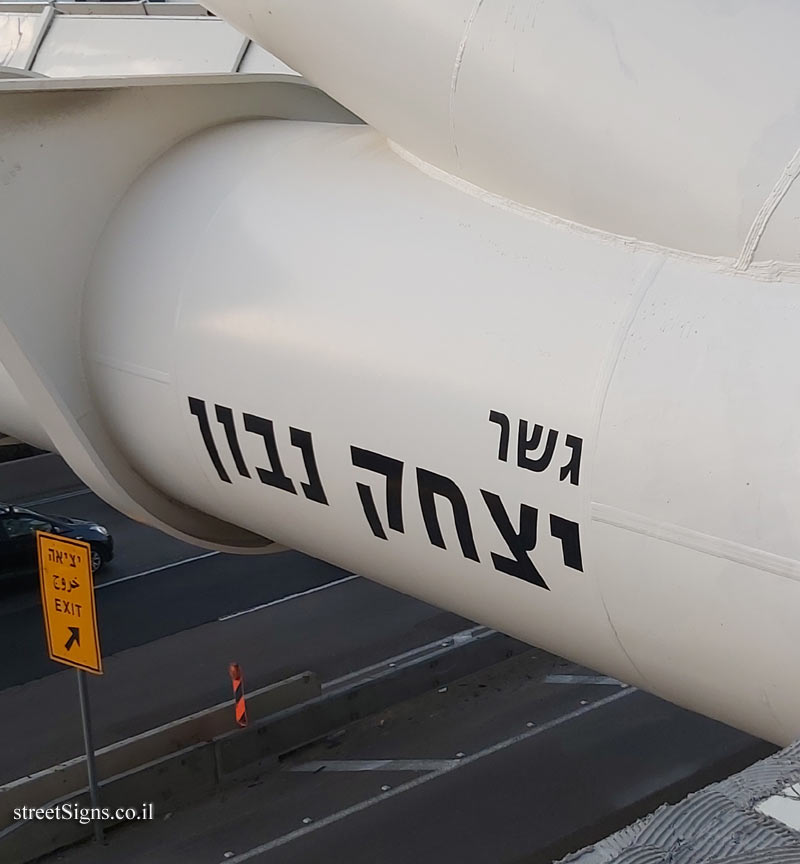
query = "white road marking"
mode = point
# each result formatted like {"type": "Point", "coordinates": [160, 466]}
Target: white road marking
{"type": "Point", "coordinates": [583, 679]}
{"type": "Point", "coordinates": [187, 561]}
{"type": "Point", "coordinates": [61, 497]}
{"type": "Point", "coordinates": [348, 765]}
{"type": "Point", "coordinates": [289, 597]}
{"type": "Point", "coordinates": [426, 778]}
{"type": "Point", "coordinates": [155, 570]}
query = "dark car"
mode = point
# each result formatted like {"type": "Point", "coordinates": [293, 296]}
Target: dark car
{"type": "Point", "coordinates": [18, 527]}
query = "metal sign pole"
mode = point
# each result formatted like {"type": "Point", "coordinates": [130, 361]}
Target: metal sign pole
{"type": "Point", "coordinates": [83, 692]}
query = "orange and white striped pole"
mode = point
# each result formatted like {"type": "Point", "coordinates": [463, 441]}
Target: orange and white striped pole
{"type": "Point", "coordinates": [238, 694]}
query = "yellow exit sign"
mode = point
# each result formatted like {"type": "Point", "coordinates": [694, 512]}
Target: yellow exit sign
{"type": "Point", "coordinates": [70, 619]}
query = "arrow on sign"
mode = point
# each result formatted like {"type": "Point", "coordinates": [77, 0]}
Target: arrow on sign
{"type": "Point", "coordinates": [74, 638]}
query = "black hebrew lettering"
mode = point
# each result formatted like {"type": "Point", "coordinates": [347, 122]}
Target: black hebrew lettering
{"type": "Point", "coordinates": [370, 511]}
{"type": "Point", "coordinates": [573, 468]}
{"type": "Point", "coordinates": [525, 445]}
{"type": "Point", "coordinates": [274, 475]}
{"type": "Point", "coordinates": [225, 417]}
{"type": "Point", "coordinates": [430, 485]}
{"type": "Point", "coordinates": [569, 534]}
{"type": "Point", "coordinates": [313, 489]}
{"type": "Point", "coordinates": [529, 445]}
{"type": "Point", "coordinates": [198, 408]}
{"type": "Point", "coordinates": [505, 429]}
{"type": "Point", "coordinates": [519, 542]}
{"type": "Point", "coordinates": [392, 470]}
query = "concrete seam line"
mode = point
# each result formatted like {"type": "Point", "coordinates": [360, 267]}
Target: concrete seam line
{"type": "Point", "coordinates": [454, 640]}
{"type": "Point", "coordinates": [425, 778]}
{"type": "Point", "coordinates": [768, 207]}
{"type": "Point", "coordinates": [217, 765]}
{"type": "Point", "coordinates": [348, 766]}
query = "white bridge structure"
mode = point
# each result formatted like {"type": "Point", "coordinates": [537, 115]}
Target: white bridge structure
{"type": "Point", "coordinates": [498, 304]}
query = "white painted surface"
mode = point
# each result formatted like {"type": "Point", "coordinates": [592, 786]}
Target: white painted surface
{"type": "Point", "coordinates": [256, 59]}
{"type": "Point", "coordinates": [371, 335]}
{"type": "Point", "coordinates": [106, 131]}
{"type": "Point", "coordinates": [667, 121]}
{"type": "Point", "coordinates": [16, 417]}
{"type": "Point", "coordinates": [250, 292]}
{"type": "Point", "coordinates": [388, 295]}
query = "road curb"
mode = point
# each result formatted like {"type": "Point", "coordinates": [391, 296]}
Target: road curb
{"type": "Point", "coordinates": [61, 781]}
{"type": "Point", "coordinates": [346, 702]}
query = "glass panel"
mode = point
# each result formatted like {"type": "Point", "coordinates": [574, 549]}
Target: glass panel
{"type": "Point", "coordinates": [20, 527]}
{"type": "Point", "coordinates": [18, 35]}
{"type": "Point", "coordinates": [79, 45]}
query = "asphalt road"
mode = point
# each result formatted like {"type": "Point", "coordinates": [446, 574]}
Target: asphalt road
{"type": "Point", "coordinates": [506, 766]}
{"type": "Point", "coordinates": [171, 618]}
{"type": "Point", "coordinates": [155, 586]}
